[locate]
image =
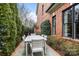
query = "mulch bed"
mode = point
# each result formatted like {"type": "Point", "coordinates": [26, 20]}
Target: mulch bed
{"type": "Point", "coordinates": [58, 51]}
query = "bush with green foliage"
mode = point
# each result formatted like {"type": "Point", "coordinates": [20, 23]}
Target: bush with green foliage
{"type": "Point", "coordinates": [19, 31]}
{"type": "Point", "coordinates": [68, 47]}
{"type": "Point", "coordinates": [10, 28]}
{"type": "Point", "coordinates": [45, 28]}
{"type": "Point", "coordinates": [52, 42]}
{"type": "Point", "coordinates": [11, 40]}
{"type": "Point", "coordinates": [18, 23]}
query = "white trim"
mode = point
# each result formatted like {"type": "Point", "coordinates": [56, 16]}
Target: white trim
{"type": "Point", "coordinates": [55, 7]}
{"type": "Point", "coordinates": [67, 38]}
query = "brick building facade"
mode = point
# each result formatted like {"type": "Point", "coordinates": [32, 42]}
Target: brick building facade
{"type": "Point", "coordinates": [63, 17]}
{"type": "Point", "coordinates": [41, 14]}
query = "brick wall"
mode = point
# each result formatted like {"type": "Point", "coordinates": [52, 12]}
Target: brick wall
{"type": "Point", "coordinates": [47, 16]}
{"type": "Point", "coordinates": [42, 17]}
{"type": "Point", "coordinates": [59, 19]}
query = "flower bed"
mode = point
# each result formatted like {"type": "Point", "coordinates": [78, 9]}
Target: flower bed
{"type": "Point", "coordinates": [64, 46]}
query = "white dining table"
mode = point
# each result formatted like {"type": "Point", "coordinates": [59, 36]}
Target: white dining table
{"type": "Point", "coordinates": [34, 37]}
{"type": "Point", "coordinates": [29, 39]}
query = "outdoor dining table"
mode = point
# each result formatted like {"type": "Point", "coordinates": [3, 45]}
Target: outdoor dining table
{"type": "Point", "coordinates": [29, 39]}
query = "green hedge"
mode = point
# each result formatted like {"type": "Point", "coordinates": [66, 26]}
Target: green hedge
{"type": "Point", "coordinates": [10, 28]}
{"type": "Point", "coordinates": [14, 8]}
{"type": "Point", "coordinates": [10, 41]}
{"type": "Point", "coordinates": [45, 28]}
{"type": "Point", "coordinates": [19, 31]}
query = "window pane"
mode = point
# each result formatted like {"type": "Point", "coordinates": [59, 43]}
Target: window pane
{"type": "Point", "coordinates": [53, 30]}
{"type": "Point", "coordinates": [68, 16]}
{"type": "Point", "coordinates": [68, 23]}
{"type": "Point", "coordinates": [67, 30]}
{"type": "Point", "coordinates": [77, 21]}
{"type": "Point", "coordinates": [53, 25]}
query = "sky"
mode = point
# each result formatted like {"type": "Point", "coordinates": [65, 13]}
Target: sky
{"type": "Point", "coordinates": [32, 8]}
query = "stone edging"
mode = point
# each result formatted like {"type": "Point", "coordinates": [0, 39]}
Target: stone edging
{"type": "Point", "coordinates": [16, 49]}
{"type": "Point", "coordinates": [54, 50]}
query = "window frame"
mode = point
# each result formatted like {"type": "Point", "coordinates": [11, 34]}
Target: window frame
{"type": "Point", "coordinates": [73, 21]}
{"type": "Point", "coordinates": [67, 23]}
{"type": "Point", "coordinates": [55, 24]}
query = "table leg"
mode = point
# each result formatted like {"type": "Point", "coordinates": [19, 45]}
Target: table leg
{"type": "Point", "coordinates": [45, 47]}
{"type": "Point", "coordinates": [26, 49]}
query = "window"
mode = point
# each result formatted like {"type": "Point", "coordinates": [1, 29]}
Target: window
{"type": "Point", "coordinates": [68, 23]}
{"type": "Point", "coordinates": [76, 15]}
{"type": "Point", "coordinates": [42, 9]}
{"type": "Point", "coordinates": [54, 25]}
{"type": "Point", "coordinates": [71, 22]}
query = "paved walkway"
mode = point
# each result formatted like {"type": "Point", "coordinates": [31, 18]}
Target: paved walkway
{"type": "Point", "coordinates": [20, 51]}
{"type": "Point", "coordinates": [51, 52]}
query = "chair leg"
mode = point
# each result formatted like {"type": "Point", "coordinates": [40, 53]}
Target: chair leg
{"type": "Point", "coordinates": [43, 53]}
{"type": "Point", "coordinates": [32, 53]}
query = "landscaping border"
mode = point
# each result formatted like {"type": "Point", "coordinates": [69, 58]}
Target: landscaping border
{"type": "Point", "coordinates": [53, 51]}
{"type": "Point", "coordinates": [18, 50]}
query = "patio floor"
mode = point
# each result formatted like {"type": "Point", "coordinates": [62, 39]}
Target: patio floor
{"type": "Point", "coordinates": [20, 51]}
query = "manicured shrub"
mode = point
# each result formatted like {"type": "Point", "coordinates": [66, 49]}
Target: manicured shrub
{"type": "Point", "coordinates": [19, 31]}
{"type": "Point", "coordinates": [45, 28]}
{"type": "Point", "coordinates": [10, 28]}
{"type": "Point", "coordinates": [18, 23]}
{"type": "Point", "coordinates": [52, 41]}
{"type": "Point", "coordinates": [10, 42]}
{"type": "Point", "coordinates": [4, 35]}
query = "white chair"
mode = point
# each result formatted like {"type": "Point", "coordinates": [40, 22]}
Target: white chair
{"type": "Point", "coordinates": [38, 46]}
{"type": "Point", "coordinates": [42, 35]}
{"type": "Point", "coordinates": [45, 36]}
{"type": "Point", "coordinates": [23, 37]}
{"type": "Point", "coordinates": [33, 34]}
